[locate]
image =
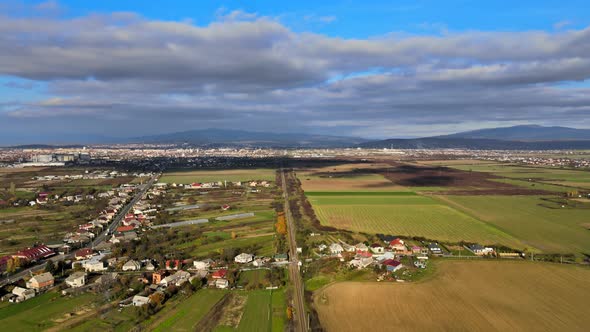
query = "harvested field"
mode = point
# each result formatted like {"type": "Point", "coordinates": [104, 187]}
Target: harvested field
{"type": "Point", "coordinates": [459, 182]}
{"type": "Point", "coordinates": [464, 296]}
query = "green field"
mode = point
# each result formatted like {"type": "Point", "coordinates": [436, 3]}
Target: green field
{"type": "Point", "coordinates": [189, 312]}
{"type": "Point", "coordinates": [42, 312]}
{"type": "Point", "coordinates": [406, 216]}
{"type": "Point", "coordinates": [537, 223]}
{"type": "Point", "coordinates": [564, 177]}
{"type": "Point", "coordinates": [232, 175]}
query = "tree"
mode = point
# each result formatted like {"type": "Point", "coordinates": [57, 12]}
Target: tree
{"type": "Point", "coordinates": [289, 313]}
{"type": "Point", "coordinates": [50, 267]}
{"type": "Point", "coordinates": [233, 235]}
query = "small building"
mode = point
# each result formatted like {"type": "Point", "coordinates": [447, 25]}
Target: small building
{"type": "Point", "coordinates": [131, 265]}
{"type": "Point", "coordinates": [479, 250]}
{"type": "Point", "coordinates": [85, 253]}
{"type": "Point", "coordinates": [202, 265]}
{"type": "Point", "coordinates": [219, 274]}
{"type": "Point", "coordinates": [361, 247]}
{"type": "Point", "coordinates": [244, 258]}
{"type": "Point", "coordinates": [397, 245]}
{"type": "Point", "coordinates": [22, 294]}
{"type": "Point", "coordinates": [173, 264]}
{"type": "Point", "coordinates": [361, 262]}
{"type": "Point", "coordinates": [435, 249]}
{"type": "Point", "coordinates": [336, 249]}
{"type": "Point", "coordinates": [41, 281]}
{"type": "Point", "coordinates": [76, 279]}
{"type": "Point", "coordinates": [158, 276]}
{"type": "Point", "coordinates": [177, 279]}
{"type": "Point", "coordinates": [376, 248]}
{"type": "Point", "coordinates": [221, 283]}
{"type": "Point", "coordinates": [392, 265]}
{"type": "Point", "coordinates": [139, 300]}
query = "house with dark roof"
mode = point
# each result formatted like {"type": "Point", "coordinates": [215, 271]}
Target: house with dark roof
{"type": "Point", "coordinates": [35, 253]}
{"type": "Point", "coordinates": [392, 265]}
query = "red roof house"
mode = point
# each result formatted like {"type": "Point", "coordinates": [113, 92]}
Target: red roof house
{"type": "Point", "coordinates": [219, 274]}
{"type": "Point", "coordinates": [35, 253]}
{"type": "Point", "coordinates": [123, 229]}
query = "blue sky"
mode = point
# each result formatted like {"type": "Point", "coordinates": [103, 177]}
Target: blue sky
{"type": "Point", "coordinates": [366, 68]}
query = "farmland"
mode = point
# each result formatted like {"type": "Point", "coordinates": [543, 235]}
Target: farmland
{"type": "Point", "coordinates": [233, 175]}
{"type": "Point", "coordinates": [407, 215]}
{"type": "Point", "coordinates": [538, 221]}
{"type": "Point", "coordinates": [187, 314]}
{"type": "Point", "coordinates": [464, 296]}
{"type": "Point", "coordinates": [342, 178]}
{"type": "Point", "coordinates": [48, 310]}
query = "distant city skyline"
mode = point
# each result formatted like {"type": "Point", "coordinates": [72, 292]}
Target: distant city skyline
{"type": "Point", "coordinates": [74, 70]}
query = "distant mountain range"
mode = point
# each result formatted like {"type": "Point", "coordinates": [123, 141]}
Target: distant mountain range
{"type": "Point", "coordinates": [241, 138]}
{"type": "Point", "coordinates": [529, 137]}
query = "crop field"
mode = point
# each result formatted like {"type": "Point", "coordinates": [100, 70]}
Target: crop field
{"type": "Point", "coordinates": [264, 311]}
{"type": "Point", "coordinates": [563, 177]}
{"type": "Point", "coordinates": [186, 315]}
{"type": "Point", "coordinates": [406, 215]}
{"type": "Point", "coordinates": [464, 296]}
{"type": "Point", "coordinates": [346, 177]}
{"type": "Point", "coordinates": [538, 222]}
{"type": "Point", "coordinates": [43, 312]}
{"type": "Point", "coordinates": [233, 175]}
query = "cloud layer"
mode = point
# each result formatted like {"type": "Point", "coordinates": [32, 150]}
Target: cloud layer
{"type": "Point", "coordinates": [123, 75]}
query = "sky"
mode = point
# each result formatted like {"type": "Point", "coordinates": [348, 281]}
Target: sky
{"type": "Point", "coordinates": [81, 71]}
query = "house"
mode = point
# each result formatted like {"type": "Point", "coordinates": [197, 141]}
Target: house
{"type": "Point", "coordinates": [416, 250]}
{"type": "Point", "coordinates": [244, 258]}
{"type": "Point", "coordinates": [173, 264]}
{"type": "Point", "coordinates": [336, 249]}
{"type": "Point", "coordinates": [376, 248]}
{"type": "Point", "coordinates": [123, 229]}
{"type": "Point", "coordinates": [225, 207]}
{"type": "Point", "coordinates": [479, 250]}
{"type": "Point", "coordinates": [177, 279]}
{"type": "Point", "coordinates": [392, 265]}
{"type": "Point", "coordinates": [41, 281]}
{"type": "Point", "coordinates": [94, 264]}
{"type": "Point", "coordinates": [322, 247]}
{"type": "Point", "coordinates": [85, 253]}
{"type": "Point", "coordinates": [281, 257]}
{"type": "Point", "coordinates": [22, 294]}
{"type": "Point", "coordinates": [131, 265]}
{"type": "Point", "coordinates": [435, 249]}
{"type": "Point", "coordinates": [397, 245]}
{"type": "Point", "coordinates": [76, 279]}
{"type": "Point", "coordinates": [221, 283]}
{"type": "Point", "coordinates": [361, 247]}
{"type": "Point", "coordinates": [361, 262]}
{"type": "Point", "coordinates": [149, 266]}
{"type": "Point", "coordinates": [202, 265]}
{"type": "Point", "coordinates": [139, 300]}
{"type": "Point", "coordinates": [158, 276]}
{"type": "Point", "coordinates": [219, 274]}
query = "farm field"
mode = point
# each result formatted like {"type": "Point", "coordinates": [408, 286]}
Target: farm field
{"type": "Point", "coordinates": [260, 310]}
{"type": "Point", "coordinates": [538, 223]}
{"type": "Point", "coordinates": [233, 175]}
{"type": "Point", "coordinates": [43, 312]}
{"type": "Point", "coordinates": [347, 177]}
{"type": "Point", "coordinates": [464, 296]}
{"type": "Point", "coordinates": [187, 314]}
{"type": "Point", "coordinates": [406, 215]}
{"type": "Point", "coordinates": [563, 177]}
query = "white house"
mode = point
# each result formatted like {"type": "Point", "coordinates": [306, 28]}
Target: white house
{"type": "Point", "coordinates": [76, 279]}
{"type": "Point", "coordinates": [23, 294]}
{"type": "Point", "coordinates": [244, 258]}
{"type": "Point", "coordinates": [361, 263]}
{"type": "Point", "coordinates": [322, 247]}
{"type": "Point", "coordinates": [361, 247]}
{"type": "Point", "coordinates": [131, 265]}
{"type": "Point", "coordinates": [176, 279]}
{"type": "Point", "coordinates": [336, 249]}
{"type": "Point", "coordinates": [221, 283]}
{"type": "Point", "coordinates": [201, 265]}
{"type": "Point", "coordinates": [139, 300]}
{"type": "Point", "coordinates": [377, 248]}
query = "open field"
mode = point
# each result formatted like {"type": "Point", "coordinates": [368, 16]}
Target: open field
{"type": "Point", "coordinates": [44, 311]}
{"type": "Point", "coordinates": [346, 177]}
{"type": "Point", "coordinates": [406, 216]}
{"type": "Point", "coordinates": [233, 175]}
{"type": "Point", "coordinates": [563, 177]}
{"type": "Point", "coordinates": [186, 315]}
{"type": "Point", "coordinates": [464, 296]}
{"type": "Point", "coordinates": [538, 223]}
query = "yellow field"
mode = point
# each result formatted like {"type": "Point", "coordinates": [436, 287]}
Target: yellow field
{"type": "Point", "coordinates": [311, 181]}
{"type": "Point", "coordinates": [464, 296]}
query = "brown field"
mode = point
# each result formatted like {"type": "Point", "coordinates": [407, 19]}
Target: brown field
{"type": "Point", "coordinates": [464, 296]}
{"type": "Point", "coordinates": [347, 177]}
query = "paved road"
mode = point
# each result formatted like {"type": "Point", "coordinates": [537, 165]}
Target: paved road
{"type": "Point", "coordinates": [300, 315]}
{"type": "Point", "coordinates": [100, 238]}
